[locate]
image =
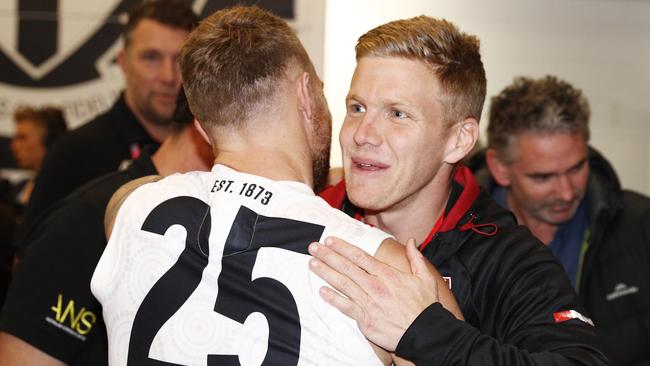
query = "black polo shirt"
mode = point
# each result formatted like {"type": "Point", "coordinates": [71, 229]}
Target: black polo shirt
{"type": "Point", "coordinates": [92, 150]}
{"type": "Point", "coordinates": [49, 304]}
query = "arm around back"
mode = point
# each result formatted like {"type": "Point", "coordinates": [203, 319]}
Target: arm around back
{"type": "Point", "coordinates": [15, 351]}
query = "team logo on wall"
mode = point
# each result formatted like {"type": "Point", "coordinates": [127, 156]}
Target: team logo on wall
{"type": "Point", "coordinates": [63, 52]}
{"type": "Point", "coordinates": [60, 52]}
{"type": "Point", "coordinates": [52, 46]}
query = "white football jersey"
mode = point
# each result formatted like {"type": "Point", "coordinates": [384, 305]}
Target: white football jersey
{"type": "Point", "coordinates": [211, 268]}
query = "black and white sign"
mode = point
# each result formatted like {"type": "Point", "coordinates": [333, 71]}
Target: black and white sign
{"type": "Point", "coordinates": [62, 52]}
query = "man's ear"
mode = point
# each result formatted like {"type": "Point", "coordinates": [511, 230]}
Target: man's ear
{"type": "Point", "coordinates": [304, 96]}
{"type": "Point", "coordinates": [121, 59]}
{"type": "Point", "coordinates": [202, 132]}
{"type": "Point", "coordinates": [497, 167]}
{"type": "Point", "coordinates": [461, 140]}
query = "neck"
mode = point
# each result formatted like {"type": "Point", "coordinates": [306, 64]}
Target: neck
{"type": "Point", "coordinates": [269, 164]}
{"type": "Point", "coordinates": [542, 230]}
{"type": "Point", "coordinates": [416, 215]}
{"type": "Point", "coordinates": [182, 152]}
{"type": "Point", "coordinates": [280, 153]}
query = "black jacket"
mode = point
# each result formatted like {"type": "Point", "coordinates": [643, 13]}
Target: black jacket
{"type": "Point", "coordinates": [614, 284]}
{"type": "Point", "coordinates": [509, 286]}
{"type": "Point", "coordinates": [90, 151]}
{"type": "Point", "coordinates": [55, 271]}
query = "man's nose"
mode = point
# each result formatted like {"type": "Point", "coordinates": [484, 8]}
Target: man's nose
{"type": "Point", "coordinates": [565, 188]}
{"type": "Point", "coordinates": [367, 132]}
{"type": "Point", "coordinates": [169, 72]}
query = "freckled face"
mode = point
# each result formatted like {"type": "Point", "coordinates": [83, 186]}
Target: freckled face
{"type": "Point", "coordinates": [393, 136]}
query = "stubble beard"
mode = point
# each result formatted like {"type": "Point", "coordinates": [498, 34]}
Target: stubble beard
{"type": "Point", "coordinates": [322, 145]}
{"type": "Point", "coordinates": [544, 213]}
{"type": "Point", "coordinates": [156, 118]}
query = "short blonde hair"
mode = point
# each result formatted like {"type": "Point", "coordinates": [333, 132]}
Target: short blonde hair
{"type": "Point", "coordinates": [453, 57]}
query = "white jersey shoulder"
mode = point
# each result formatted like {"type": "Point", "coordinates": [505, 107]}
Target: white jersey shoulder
{"type": "Point", "coordinates": [213, 265]}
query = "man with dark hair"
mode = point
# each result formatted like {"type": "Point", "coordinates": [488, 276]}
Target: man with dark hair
{"type": "Point", "coordinates": [542, 169]}
{"type": "Point", "coordinates": [221, 256]}
{"type": "Point", "coordinates": [49, 124]}
{"type": "Point", "coordinates": [36, 131]}
{"type": "Point", "coordinates": [412, 116]}
{"type": "Point", "coordinates": [50, 316]}
{"type": "Point", "coordinates": [141, 116]}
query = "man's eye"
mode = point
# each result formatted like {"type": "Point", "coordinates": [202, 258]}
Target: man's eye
{"type": "Point", "coordinates": [541, 178]}
{"type": "Point", "coordinates": [150, 57]}
{"type": "Point", "coordinates": [577, 169]}
{"type": "Point", "coordinates": [399, 114]}
{"type": "Point", "coordinates": [357, 108]}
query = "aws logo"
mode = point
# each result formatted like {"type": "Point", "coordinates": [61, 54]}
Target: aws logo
{"type": "Point", "coordinates": [70, 318]}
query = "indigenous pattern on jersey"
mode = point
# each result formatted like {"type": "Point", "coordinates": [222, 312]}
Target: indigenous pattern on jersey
{"type": "Point", "coordinates": [212, 269]}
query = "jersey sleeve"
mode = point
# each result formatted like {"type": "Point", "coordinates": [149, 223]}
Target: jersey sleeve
{"type": "Point", "coordinates": [103, 278]}
{"type": "Point", "coordinates": [355, 232]}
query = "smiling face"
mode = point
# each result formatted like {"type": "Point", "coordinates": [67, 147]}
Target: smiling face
{"type": "Point", "coordinates": [548, 177]}
{"type": "Point", "coordinates": [393, 138]}
{"type": "Point", "coordinates": [150, 65]}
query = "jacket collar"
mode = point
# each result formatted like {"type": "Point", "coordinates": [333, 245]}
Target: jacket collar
{"type": "Point", "coordinates": [127, 126]}
{"type": "Point", "coordinates": [465, 191]}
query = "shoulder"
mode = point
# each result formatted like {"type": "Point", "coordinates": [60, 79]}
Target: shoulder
{"type": "Point", "coordinates": [120, 196]}
{"type": "Point", "coordinates": [99, 191]}
{"type": "Point", "coordinates": [636, 202]}
{"type": "Point", "coordinates": [96, 128]}
{"type": "Point", "coordinates": [512, 254]}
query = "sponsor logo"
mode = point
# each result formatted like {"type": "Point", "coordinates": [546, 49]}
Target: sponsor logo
{"type": "Point", "coordinates": [74, 321]}
{"type": "Point", "coordinates": [562, 316]}
{"type": "Point", "coordinates": [620, 290]}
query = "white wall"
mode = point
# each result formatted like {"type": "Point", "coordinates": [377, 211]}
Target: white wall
{"type": "Point", "coordinates": [600, 46]}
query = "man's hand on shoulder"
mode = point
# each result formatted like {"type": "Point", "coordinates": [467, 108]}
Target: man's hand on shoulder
{"type": "Point", "coordinates": [383, 295]}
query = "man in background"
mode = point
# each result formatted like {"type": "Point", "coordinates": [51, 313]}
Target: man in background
{"type": "Point", "coordinates": [542, 169]}
{"type": "Point", "coordinates": [50, 316]}
{"type": "Point", "coordinates": [141, 116]}
{"type": "Point", "coordinates": [36, 131]}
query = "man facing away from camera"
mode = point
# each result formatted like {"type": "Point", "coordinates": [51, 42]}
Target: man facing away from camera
{"type": "Point", "coordinates": [214, 266]}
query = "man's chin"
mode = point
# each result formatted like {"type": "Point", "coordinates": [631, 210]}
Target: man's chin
{"type": "Point", "coordinates": [365, 198]}
{"type": "Point", "coordinates": [160, 118]}
{"type": "Point", "coordinates": [555, 217]}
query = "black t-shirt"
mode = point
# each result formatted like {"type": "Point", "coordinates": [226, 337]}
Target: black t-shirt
{"type": "Point", "coordinates": [49, 304]}
{"type": "Point", "coordinates": [90, 151]}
